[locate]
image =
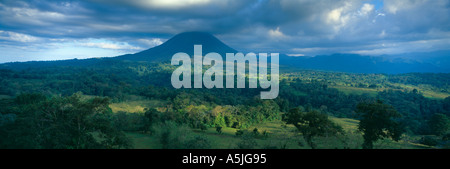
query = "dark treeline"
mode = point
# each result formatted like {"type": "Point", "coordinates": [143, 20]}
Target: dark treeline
{"type": "Point", "coordinates": [33, 121]}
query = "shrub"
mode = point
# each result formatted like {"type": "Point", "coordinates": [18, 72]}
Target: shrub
{"type": "Point", "coordinates": [239, 132]}
{"type": "Point", "coordinates": [429, 141]}
{"type": "Point", "coordinates": [219, 130]}
{"type": "Point", "coordinates": [198, 142]}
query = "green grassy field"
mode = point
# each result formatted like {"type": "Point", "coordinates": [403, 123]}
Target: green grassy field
{"type": "Point", "coordinates": [373, 92]}
{"type": "Point", "coordinates": [356, 90]}
{"type": "Point", "coordinates": [425, 93]}
{"type": "Point", "coordinates": [134, 106]}
{"type": "Point", "coordinates": [280, 136]}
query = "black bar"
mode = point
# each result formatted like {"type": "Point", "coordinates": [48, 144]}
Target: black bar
{"type": "Point", "coordinates": [274, 158]}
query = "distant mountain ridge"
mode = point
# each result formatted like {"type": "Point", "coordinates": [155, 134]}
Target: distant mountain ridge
{"type": "Point", "coordinates": [433, 62]}
{"type": "Point", "coordinates": [355, 63]}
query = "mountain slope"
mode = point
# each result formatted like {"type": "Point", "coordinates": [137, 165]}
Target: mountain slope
{"type": "Point", "coordinates": [183, 42]}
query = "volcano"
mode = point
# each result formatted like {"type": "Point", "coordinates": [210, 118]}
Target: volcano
{"type": "Point", "coordinates": [183, 42]}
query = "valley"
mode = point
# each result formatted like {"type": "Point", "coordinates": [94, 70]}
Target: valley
{"type": "Point", "coordinates": [129, 102]}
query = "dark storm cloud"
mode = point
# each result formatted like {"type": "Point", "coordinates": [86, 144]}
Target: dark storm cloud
{"type": "Point", "coordinates": [131, 18]}
{"type": "Point", "coordinates": [287, 26]}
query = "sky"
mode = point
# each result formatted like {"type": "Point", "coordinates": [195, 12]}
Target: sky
{"type": "Point", "coordinates": [55, 30]}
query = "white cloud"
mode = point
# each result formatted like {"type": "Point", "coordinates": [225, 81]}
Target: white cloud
{"type": "Point", "coordinates": [334, 16]}
{"type": "Point", "coordinates": [18, 37]}
{"type": "Point", "coordinates": [296, 55]}
{"type": "Point", "coordinates": [151, 42]}
{"type": "Point", "coordinates": [310, 26]}
{"type": "Point", "coordinates": [339, 17]}
{"type": "Point", "coordinates": [164, 4]}
{"type": "Point", "coordinates": [99, 43]}
{"type": "Point", "coordinates": [383, 34]}
{"type": "Point", "coordinates": [277, 34]}
{"type": "Point", "coordinates": [26, 15]}
{"type": "Point", "coordinates": [172, 4]}
{"type": "Point", "coordinates": [366, 9]}
{"type": "Point", "coordinates": [307, 50]}
{"type": "Point", "coordinates": [404, 47]}
{"type": "Point", "coordinates": [394, 6]}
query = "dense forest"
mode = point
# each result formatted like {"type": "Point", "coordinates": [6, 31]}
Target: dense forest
{"type": "Point", "coordinates": [69, 106]}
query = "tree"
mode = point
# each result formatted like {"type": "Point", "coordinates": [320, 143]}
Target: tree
{"type": "Point", "coordinates": [151, 116]}
{"type": "Point", "coordinates": [219, 121]}
{"type": "Point", "coordinates": [377, 122]}
{"type": "Point", "coordinates": [439, 124]}
{"type": "Point", "coordinates": [312, 124]}
{"type": "Point", "coordinates": [172, 135]}
{"type": "Point", "coordinates": [239, 132]}
{"type": "Point", "coordinates": [255, 132]}
{"type": "Point", "coordinates": [219, 130]}
{"type": "Point", "coordinates": [446, 105]}
{"type": "Point", "coordinates": [64, 123]}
